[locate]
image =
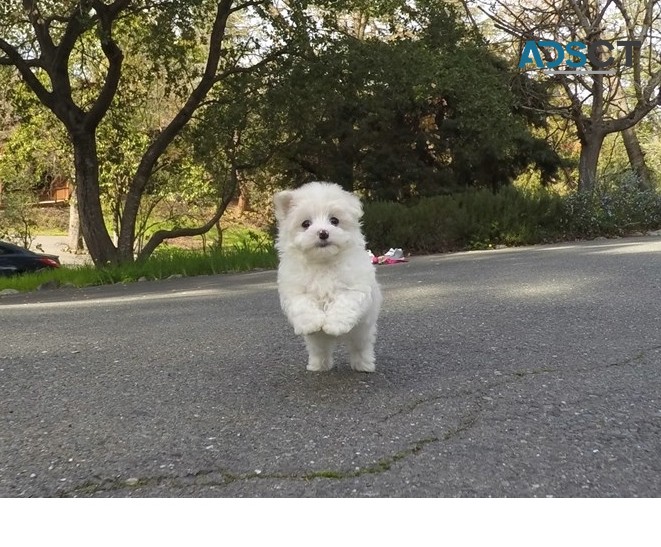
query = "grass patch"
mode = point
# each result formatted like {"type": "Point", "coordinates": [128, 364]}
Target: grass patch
{"type": "Point", "coordinates": [166, 262]}
{"type": "Point", "coordinates": [239, 236]}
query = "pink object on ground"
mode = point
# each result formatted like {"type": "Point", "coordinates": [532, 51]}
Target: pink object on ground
{"type": "Point", "coordinates": [393, 256]}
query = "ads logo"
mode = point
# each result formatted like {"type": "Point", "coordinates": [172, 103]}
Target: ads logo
{"type": "Point", "coordinates": [576, 55]}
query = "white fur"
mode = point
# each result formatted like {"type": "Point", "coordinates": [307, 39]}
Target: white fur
{"type": "Point", "coordinates": [327, 288]}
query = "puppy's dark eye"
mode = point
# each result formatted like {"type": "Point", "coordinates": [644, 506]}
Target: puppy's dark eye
{"type": "Point", "coordinates": [305, 224]}
{"type": "Point", "coordinates": [334, 221]}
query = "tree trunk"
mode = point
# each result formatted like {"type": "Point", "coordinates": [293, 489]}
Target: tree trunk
{"type": "Point", "coordinates": [587, 164]}
{"type": "Point", "coordinates": [637, 159]}
{"type": "Point", "coordinates": [92, 225]}
{"type": "Point", "coordinates": [75, 237]}
{"type": "Point", "coordinates": [344, 165]}
{"type": "Point", "coordinates": [243, 204]}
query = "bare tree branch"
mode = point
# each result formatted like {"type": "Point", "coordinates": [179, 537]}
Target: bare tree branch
{"type": "Point", "coordinates": [245, 5]}
{"type": "Point", "coordinates": [33, 63]}
{"type": "Point", "coordinates": [595, 105]}
{"type": "Point", "coordinates": [168, 134]}
{"type": "Point", "coordinates": [40, 29]}
{"type": "Point", "coordinates": [25, 69]}
{"type": "Point", "coordinates": [74, 29]}
{"type": "Point", "coordinates": [161, 235]}
{"type": "Point", "coordinates": [107, 15]}
{"type": "Point", "coordinates": [250, 68]}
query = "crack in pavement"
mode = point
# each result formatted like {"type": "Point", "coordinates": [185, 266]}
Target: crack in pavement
{"type": "Point", "coordinates": [517, 374]}
{"type": "Point", "coordinates": [222, 478]}
{"type": "Point", "coordinates": [380, 466]}
{"type": "Point", "coordinates": [632, 360]}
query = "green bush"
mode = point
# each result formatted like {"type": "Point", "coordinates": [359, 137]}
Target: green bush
{"type": "Point", "coordinates": [481, 219]}
{"type": "Point", "coordinates": [611, 213]}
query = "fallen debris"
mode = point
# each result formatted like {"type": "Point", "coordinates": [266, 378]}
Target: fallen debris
{"type": "Point", "coordinates": [393, 256]}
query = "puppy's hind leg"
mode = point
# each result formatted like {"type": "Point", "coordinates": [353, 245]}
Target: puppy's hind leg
{"type": "Point", "coordinates": [361, 347]}
{"type": "Point", "coordinates": [320, 351]}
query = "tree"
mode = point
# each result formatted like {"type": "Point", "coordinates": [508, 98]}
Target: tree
{"type": "Point", "coordinates": [33, 151]}
{"type": "Point", "coordinates": [593, 102]}
{"type": "Point", "coordinates": [53, 46]}
{"type": "Point", "coordinates": [401, 111]}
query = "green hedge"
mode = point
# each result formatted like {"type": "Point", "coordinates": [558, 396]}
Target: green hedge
{"type": "Point", "coordinates": [482, 219]}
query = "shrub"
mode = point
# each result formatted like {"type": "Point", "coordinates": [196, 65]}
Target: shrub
{"type": "Point", "coordinates": [17, 217]}
{"type": "Point", "coordinates": [481, 219]}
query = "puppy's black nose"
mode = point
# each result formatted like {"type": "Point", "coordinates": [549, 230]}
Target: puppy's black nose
{"type": "Point", "coordinates": [323, 234]}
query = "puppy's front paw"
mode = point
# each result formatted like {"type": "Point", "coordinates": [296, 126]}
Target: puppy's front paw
{"type": "Point", "coordinates": [337, 326]}
{"type": "Point", "coordinates": [309, 323]}
{"type": "Point", "coordinates": [363, 363]}
{"type": "Point", "coordinates": [316, 364]}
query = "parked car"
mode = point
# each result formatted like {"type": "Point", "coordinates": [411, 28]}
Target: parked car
{"type": "Point", "coordinates": [18, 260]}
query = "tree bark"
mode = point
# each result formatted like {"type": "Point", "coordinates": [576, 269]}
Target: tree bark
{"type": "Point", "coordinates": [587, 164]}
{"type": "Point", "coordinates": [637, 159]}
{"type": "Point", "coordinates": [75, 237]}
{"type": "Point", "coordinates": [243, 204]}
{"type": "Point", "coordinates": [92, 225]}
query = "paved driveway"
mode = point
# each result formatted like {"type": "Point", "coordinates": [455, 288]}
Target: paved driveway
{"type": "Point", "coordinates": [517, 372]}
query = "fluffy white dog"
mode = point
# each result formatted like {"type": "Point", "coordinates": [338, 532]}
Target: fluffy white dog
{"type": "Point", "coordinates": [326, 280]}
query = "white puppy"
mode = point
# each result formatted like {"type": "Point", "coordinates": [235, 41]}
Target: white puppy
{"type": "Point", "coordinates": [326, 280]}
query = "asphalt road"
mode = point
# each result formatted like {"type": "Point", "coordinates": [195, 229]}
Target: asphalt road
{"type": "Point", "coordinates": [514, 373]}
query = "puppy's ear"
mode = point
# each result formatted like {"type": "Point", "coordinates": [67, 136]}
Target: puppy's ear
{"type": "Point", "coordinates": [282, 201]}
{"type": "Point", "coordinates": [355, 207]}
